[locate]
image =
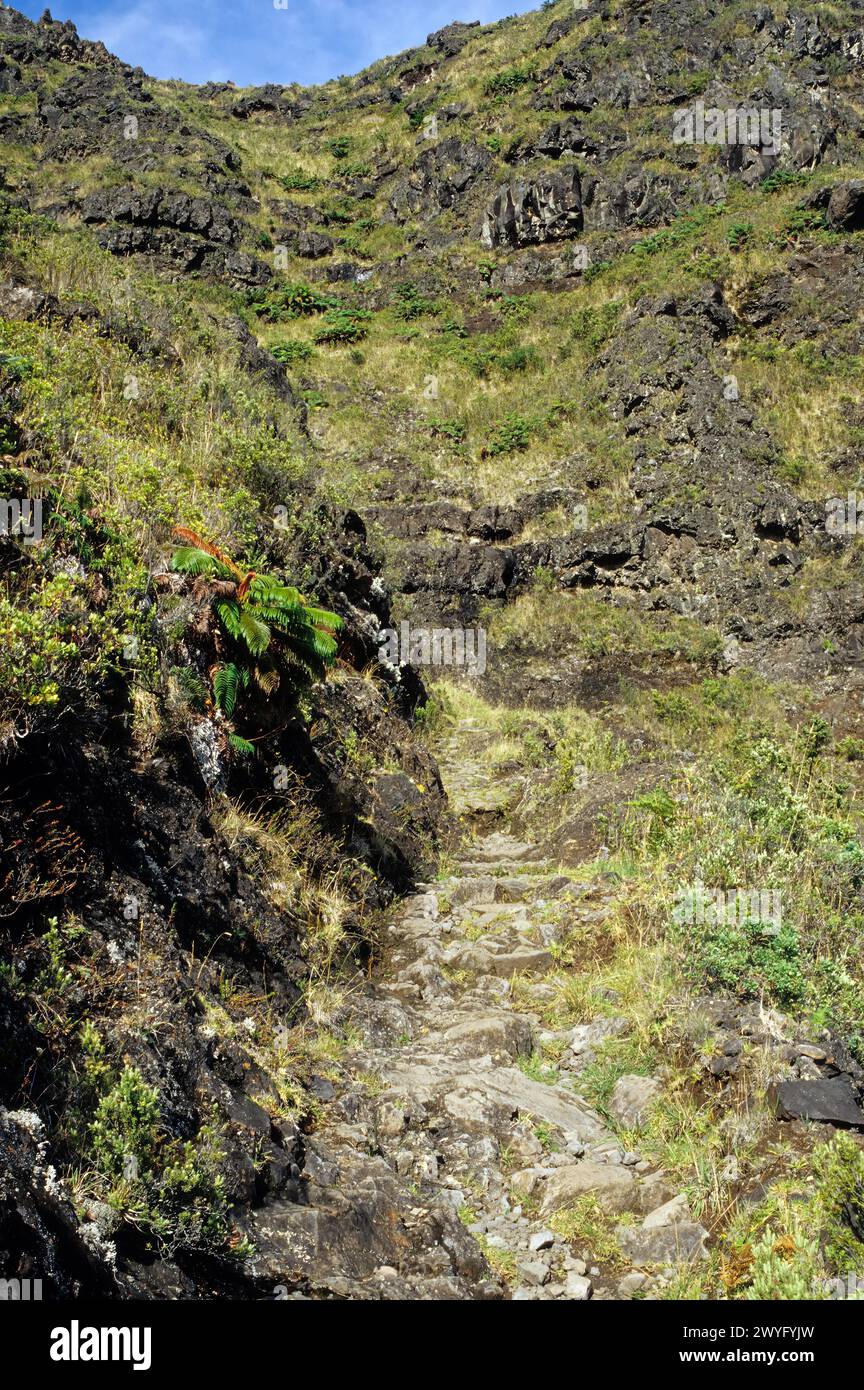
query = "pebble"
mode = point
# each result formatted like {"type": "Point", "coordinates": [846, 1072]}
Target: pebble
{"type": "Point", "coordinates": [534, 1272]}
{"type": "Point", "coordinates": [631, 1282]}
{"type": "Point", "coordinates": [542, 1240]}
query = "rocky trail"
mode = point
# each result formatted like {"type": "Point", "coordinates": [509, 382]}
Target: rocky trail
{"type": "Point", "coordinates": [442, 1090]}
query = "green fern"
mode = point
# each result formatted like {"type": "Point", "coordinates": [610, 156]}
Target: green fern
{"type": "Point", "coordinates": [271, 632]}
{"type": "Point", "coordinates": [227, 683]}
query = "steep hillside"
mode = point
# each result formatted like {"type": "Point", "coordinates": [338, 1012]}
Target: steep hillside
{"type": "Point", "coordinates": [548, 335]}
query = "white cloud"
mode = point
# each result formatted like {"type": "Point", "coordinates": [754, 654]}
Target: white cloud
{"type": "Point", "coordinates": [252, 42]}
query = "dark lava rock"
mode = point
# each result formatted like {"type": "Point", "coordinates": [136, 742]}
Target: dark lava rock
{"type": "Point", "coordinates": [526, 212]}
{"type": "Point", "coordinates": [832, 1102]}
{"type": "Point", "coordinates": [452, 38]}
{"type": "Point", "coordinates": [564, 136]}
{"type": "Point", "coordinates": [439, 178]}
{"type": "Point", "coordinates": [846, 206]}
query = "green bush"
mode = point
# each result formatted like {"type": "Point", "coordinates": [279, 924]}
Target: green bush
{"type": "Point", "coordinates": [739, 234]}
{"type": "Point", "coordinates": [168, 1189]}
{"type": "Point", "coordinates": [454, 430]}
{"type": "Point", "coordinates": [290, 301]}
{"type": "Point", "coordinates": [750, 958]}
{"type": "Point", "coordinates": [509, 80]}
{"type": "Point", "coordinates": [411, 304]}
{"type": "Point", "coordinates": [292, 350]}
{"type": "Point", "coordinates": [126, 1127]}
{"type": "Point", "coordinates": [344, 325]}
{"type": "Point", "coordinates": [298, 182]}
{"type": "Point", "coordinates": [339, 146]}
{"type": "Point", "coordinates": [593, 326]}
{"type": "Point", "coordinates": [512, 435]}
{"type": "Point", "coordinates": [39, 644]}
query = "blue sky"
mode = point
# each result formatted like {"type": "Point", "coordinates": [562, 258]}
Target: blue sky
{"type": "Point", "coordinates": [251, 41]}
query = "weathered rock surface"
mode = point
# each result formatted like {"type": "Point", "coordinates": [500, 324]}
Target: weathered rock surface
{"type": "Point", "coordinates": [527, 212]}
{"type": "Point", "coordinates": [631, 1099]}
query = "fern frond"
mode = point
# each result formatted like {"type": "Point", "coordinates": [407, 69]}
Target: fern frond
{"type": "Point", "coordinates": [198, 543]}
{"type": "Point", "coordinates": [267, 587]}
{"type": "Point", "coordinates": [229, 617]}
{"type": "Point", "coordinates": [227, 683]}
{"type": "Point", "coordinates": [267, 678]}
{"type": "Point", "coordinates": [188, 559]}
{"type": "Point", "coordinates": [254, 632]}
{"type": "Point", "coordinates": [322, 618]}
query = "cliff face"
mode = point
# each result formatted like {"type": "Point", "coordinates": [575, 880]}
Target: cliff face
{"type": "Point", "coordinates": [551, 328]}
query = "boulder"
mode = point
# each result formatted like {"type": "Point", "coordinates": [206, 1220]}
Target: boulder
{"type": "Point", "coordinates": [666, 1245]}
{"type": "Point", "coordinates": [846, 206]}
{"type": "Point", "coordinates": [528, 212]}
{"type": "Point", "coordinates": [613, 1186]}
{"type": "Point", "coordinates": [500, 1034]}
{"type": "Point", "coordinates": [672, 1213]}
{"type": "Point", "coordinates": [831, 1102]}
{"type": "Point", "coordinates": [631, 1099]}
{"type": "Point", "coordinates": [313, 245]}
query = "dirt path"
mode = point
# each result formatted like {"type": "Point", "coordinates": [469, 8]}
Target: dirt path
{"type": "Point", "coordinates": [462, 1109]}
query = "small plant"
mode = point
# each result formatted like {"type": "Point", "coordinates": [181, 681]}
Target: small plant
{"type": "Point", "coordinates": [344, 326]}
{"type": "Point", "coordinates": [265, 630]}
{"type": "Point", "coordinates": [739, 234]}
{"type": "Point", "coordinates": [124, 1133]}
{"type": "Point", "coordinates": [587, 1226]}
{"type": "Point", "coordinates": [411, 304]}
{"type": "Point", "coordinates": [592, 327]}
{"type": "Point", "coordinates": [782, 178]}
{"type": "Point", "coordinates": [168, 1188]}
{"type": "Point", "coordinates": [339, 146]}
{"type": "Point", "coordinates": [454, 430]}
{"type": "Point", "coordinates": [519, 359]}
{"type": "Point", "coordinates": [355, 169]}
{"type": "Point", "coordinates": [509, 80]}
{"type": "Point", "coordinates": [292, 350]}
{"type": "Point", "coordinates": [299, 182]}
{"type": "Point", "coordinates": [512, 435]}
{"type": "Point", "coordinates": [783, 1268]}
{"type": "Point", "coordinates": [290, 301]}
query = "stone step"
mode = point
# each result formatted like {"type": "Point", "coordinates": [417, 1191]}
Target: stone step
{"type": "Point", "coordinates": [486, 957]}
{"type": "Point", "coordinates": [481, 1097]}
{"type": "Point", "coordinates": [508, 914]}
{"type": "Point", "coordinates": [530, 870]}
{"type": "Point", "coordinates": [499, 847]}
